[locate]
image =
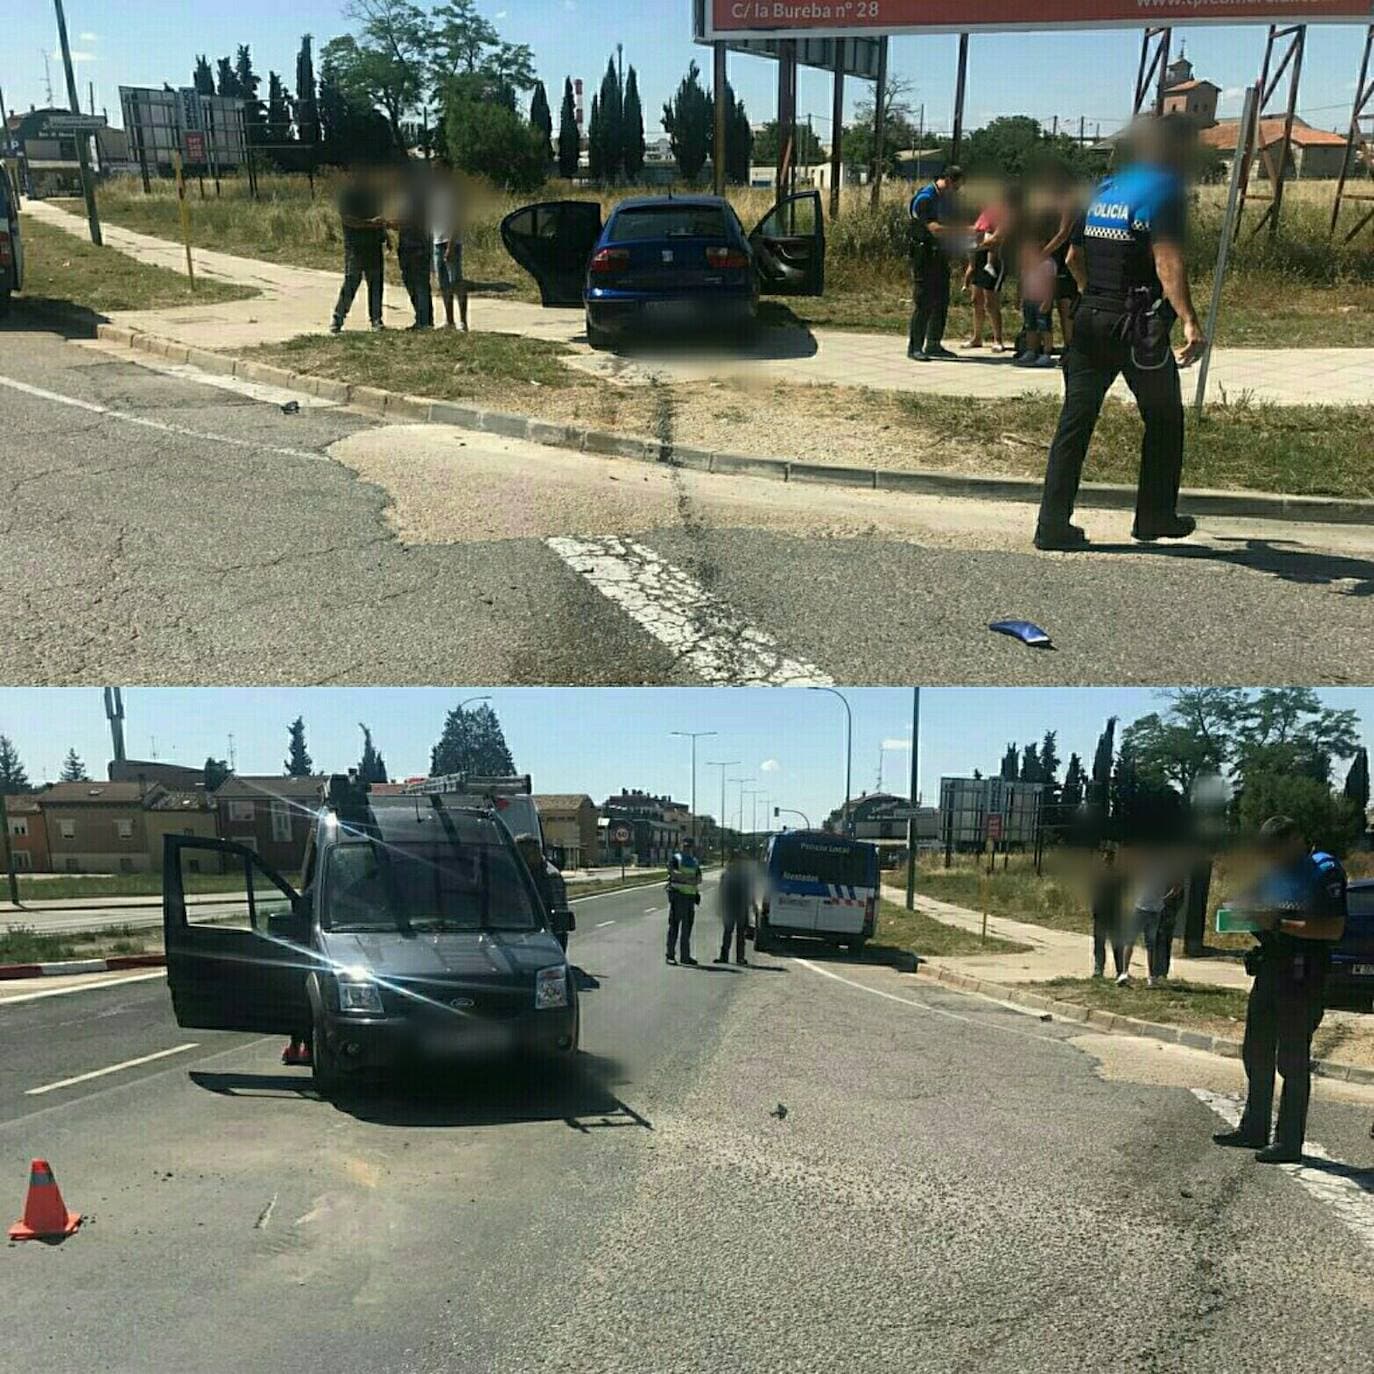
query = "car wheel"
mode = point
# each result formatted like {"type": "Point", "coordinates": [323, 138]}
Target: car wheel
{"type": "Point", "coordinates": [324, 1063]}
{"type": "Point", "coordinates": [4, 303]}
{"type": "Point", "coordinates": [596, 337]}
{"type": "Point", "coordinates": [856, 947]}
{"type": "Point", "coordinates": [762, 940]}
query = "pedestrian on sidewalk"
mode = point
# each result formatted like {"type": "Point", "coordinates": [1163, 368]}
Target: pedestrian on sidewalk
{"type": "Point", "coordinates": [1037, 303]}
{"type": "Point", "coordinates": [1107, 892]}
{"type": "Point", "coordinates": [684, 896]}
{"type": "Point", "coordinates": [1156, 908]}
{"type": "Point", "coordinates": [1300, 907]}
{"type": "Point", "coordinates": [737, 905]}
{"type": "Point", "coordinates": [446, 228]}
{"type": "Point", "coordinates": [1127, 258]}
{"type": "Point", "coordinates": [936, 238]}
{"type": "Point", "coordinates": [414, 246]}
{"type": "Point", "coordinates": [994, 234]}
{"type": "Point", "coordinates": [364, 239]}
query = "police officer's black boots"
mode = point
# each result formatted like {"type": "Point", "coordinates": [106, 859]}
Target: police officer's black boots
{"type": "Point", "coordinates": [1065, 539]}
{"type": "Point", "coordinates": [1175, 527]}
{"type": "Point", "coordinates": [1243, 1138]}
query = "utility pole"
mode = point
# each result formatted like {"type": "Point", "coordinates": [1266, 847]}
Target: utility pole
{"type": "Point", "coordinates": [732, 763]}
{"type": "Point", "coordinates": [8, 850]}
{"type": "Point", "coordinates": [74, 104]}
{"type": "Point", "coordinates": [693, 735]}
{"type": "Point", "coordinates": [848, 748]}
{"type": "Point", "coordinates": [911, 835]}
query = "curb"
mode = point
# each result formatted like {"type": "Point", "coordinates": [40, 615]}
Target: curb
{"type": "Point", "coordinates": [70, 966]}
{"type": "Point", "coordinates": [1261, 505]}
{"type": "Point", "coordinates": [1112, 1021]}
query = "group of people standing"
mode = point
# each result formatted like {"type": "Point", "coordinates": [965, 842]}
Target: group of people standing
{"type": "Point", "coordinates": [1022, 232]}
{"type": "Point", "coordinates": [738, 904]}
{"type": "Point", "coordinates": [1151, 918]}
{"type": "Point", "coordinates": [421, 204]}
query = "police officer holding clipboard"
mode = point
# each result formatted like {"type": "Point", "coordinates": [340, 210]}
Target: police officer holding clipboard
{"type": "Point", "coordinates": [1127, 257]}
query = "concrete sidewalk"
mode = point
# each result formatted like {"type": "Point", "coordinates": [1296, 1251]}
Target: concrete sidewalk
{"type": "Point", "coordinates": [1054, 953]}
{"type": "Point", "coordinates": [297, 300]}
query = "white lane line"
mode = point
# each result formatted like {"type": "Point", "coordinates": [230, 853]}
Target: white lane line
{"type": "Point", "coordinates": [81, 987]}
{"type": "Point", "coordinates": [1343, 1194]}
{"type": "Point", "coordinates": [934, 1011]}
{"type": "Point", "coordinates": [599, 924]}
{"type": "Point", "coordinates": [112, 1068]}
{"type": "Point", "coordinates": [95, 408]}
{"type": "Point", "coordinates": [694, 624]}
{"type": "Point", "coordinates": [256, 391]}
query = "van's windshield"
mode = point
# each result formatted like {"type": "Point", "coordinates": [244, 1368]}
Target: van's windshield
{"type": "Point", "coordinates": [440, 885]}
{"type": "Point", "coordinates": [822, 861]}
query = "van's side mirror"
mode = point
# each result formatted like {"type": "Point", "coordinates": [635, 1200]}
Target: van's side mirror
{"type": "Point", "coordinates": [563, 920]}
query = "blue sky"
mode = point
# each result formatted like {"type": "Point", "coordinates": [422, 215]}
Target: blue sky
{"type": "Point", "coordinates": [788, 743]}
{"type": "Point", "coordinates": [1046, 74]}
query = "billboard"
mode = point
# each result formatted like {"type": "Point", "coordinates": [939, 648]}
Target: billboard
{"type": "Point", "coordinates": [846, 18]}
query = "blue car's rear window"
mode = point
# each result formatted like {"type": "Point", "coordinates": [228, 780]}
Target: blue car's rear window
{"type": "Point", "coordinates": [667, 221]}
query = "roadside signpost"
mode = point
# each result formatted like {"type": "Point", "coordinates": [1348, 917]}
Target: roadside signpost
{"type": "Point", "coordinates": [185, 217]}
{"type": "Point", "coordinates": [82, 154]}
{"type": "Point", "coordinates": [75, 123]}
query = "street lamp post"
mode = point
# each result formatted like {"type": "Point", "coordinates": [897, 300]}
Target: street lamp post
{"type": "Point", "coordinates": [848, 747]}
{"type": "Point", "coordinates": [732, 763]}
{"type": "Point", "coordinates": [753, 794]}
{"type": "Point", "coordinates": [693, 735]}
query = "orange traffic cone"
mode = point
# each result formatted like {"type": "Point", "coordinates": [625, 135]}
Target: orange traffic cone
{"type": "Point", "coordinates": [45, 1214]}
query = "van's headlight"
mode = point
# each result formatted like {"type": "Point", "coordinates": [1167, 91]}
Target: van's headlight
{"type": "Point", "coordinates": [550, 988]}
{"type": "Point", "coordinates": [362, 997]}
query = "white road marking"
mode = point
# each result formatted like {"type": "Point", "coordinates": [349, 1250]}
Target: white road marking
{"type": "Point", "coordinates": [1343, 1194]}
{"type": "Point", "coordinates": [95, 408]}
{"type": "Point", "coordinates": [257, 391]}
{"type": "Point", "coordinates": [81, 987]}
{"type": "Point", "coordinates": [599, 924]}
{"type": "Point", "coordinates": [934, 1011]}
{"type": "Point", "coordinates": [649, 910]}
{"type": "Point", "coordinates": [695, 625]}
{"type": "Point", "coordinates": [112, 1068]}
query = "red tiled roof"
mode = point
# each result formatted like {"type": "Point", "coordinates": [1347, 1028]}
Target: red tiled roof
{"type": "Point", "coordinates": [1224, 135]}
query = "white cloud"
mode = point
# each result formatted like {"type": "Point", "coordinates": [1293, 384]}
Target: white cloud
{"type": "Point", "coordinates": [79, 56]}
{"type": "Point", "coordinates": [89, 37]}
{"type": "Point", "coordinates": [896, 744]}
{"type": "Point", "coordinates": [769, 766]}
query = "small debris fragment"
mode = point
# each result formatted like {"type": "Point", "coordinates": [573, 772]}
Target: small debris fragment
{"type": "Point", "coordinates": [780, 1111]}
{"type": "Point", "coordinates": [1045, 1016]}
{"type": "Point", "coordinates": [291, 408]}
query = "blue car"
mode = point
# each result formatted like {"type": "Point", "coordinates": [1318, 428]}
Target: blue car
{"type": "Point", "coordinates": [670, 263]}
{"type": "Point", "coordinates": [1352, 959]}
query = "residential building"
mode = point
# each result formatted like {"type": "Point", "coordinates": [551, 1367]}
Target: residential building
{"type": "Point", "coordinates": [657, 824]}
{"type": "Point", "coordinates": [177, 812]}
{"type": "Point", "coordinates": [149, 771]}
{"type": "Point", "coordinates": [270, 815]}
{"type": "Point", "coordinates": [1312, 153]}
{"type": "Point", "coordinates": [569, 821]}
{"type": "Point", "coordinates": [96, 827]}
{"type": "Point", "coordinates": [49, 158]}
{"type": "Point", "coordinates": [28, 830]}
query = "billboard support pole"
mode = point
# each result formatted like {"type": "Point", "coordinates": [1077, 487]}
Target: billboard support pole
{"type": "Point", "coordinates": [1275, 168]}
{"type": "Point", "coordinates": [82, 140]}
{"type": "Point", "coordinates": [719, 126]}
{"type": "Point", "coordinates": [836, 129]}
{"type": "Point", "coordinates": [1364, 97]}
{"type": "Point", "coordinates": [1248, 116]}
{"type": "Point", "coordinates": [787, 115]}
{"type": "Point", "coordinates": [1151, 70]}
{"type": "Point", "coordinates": [875, 172]}
{"type": "Point", "coordinates": [960, 82]}
{"type": "Point", "coordinates": [911, 827]}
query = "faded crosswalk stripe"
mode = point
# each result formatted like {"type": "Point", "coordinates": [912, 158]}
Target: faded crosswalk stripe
{"type": "Point", "coordinates": [694, 624]}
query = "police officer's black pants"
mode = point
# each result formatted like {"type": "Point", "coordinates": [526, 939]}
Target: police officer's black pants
{"type": "Point", "coordinates": [356, 267]}
{"type": "Point", "coordinates": [930, 300]}
{"type": "Point", "coordinates": [1285, 1008]}
{"type": "Point", "coordinates": [415, 274]}
{"type": "Point", "coordinates": [1107, 929]}
{"type": "Point", "coordinates": [682, 912]}
{"type": "Point", "coordinates": [1095, 358]}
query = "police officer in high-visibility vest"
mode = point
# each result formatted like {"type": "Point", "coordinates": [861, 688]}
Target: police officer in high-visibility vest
{"type": "Point", "coordinates": [1300, 906]}
{"type": "Point", "coordinates": [1127, 258]}
{"type": "Point", "coordinates": [684, 893]}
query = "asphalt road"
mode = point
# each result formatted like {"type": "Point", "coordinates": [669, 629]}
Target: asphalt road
{"type": "Point", "coordinates": [953, 1184]}
{"type": "Point", "coordinates": [157, 529]}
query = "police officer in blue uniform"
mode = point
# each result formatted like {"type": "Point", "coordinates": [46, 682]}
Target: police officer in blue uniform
{"type": "Point", "coordinates": [1301, 905]}
{"type": "Point", "coordinates": [935, 238]}
{"type": "Point", "coordinates": [1127, 257]}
